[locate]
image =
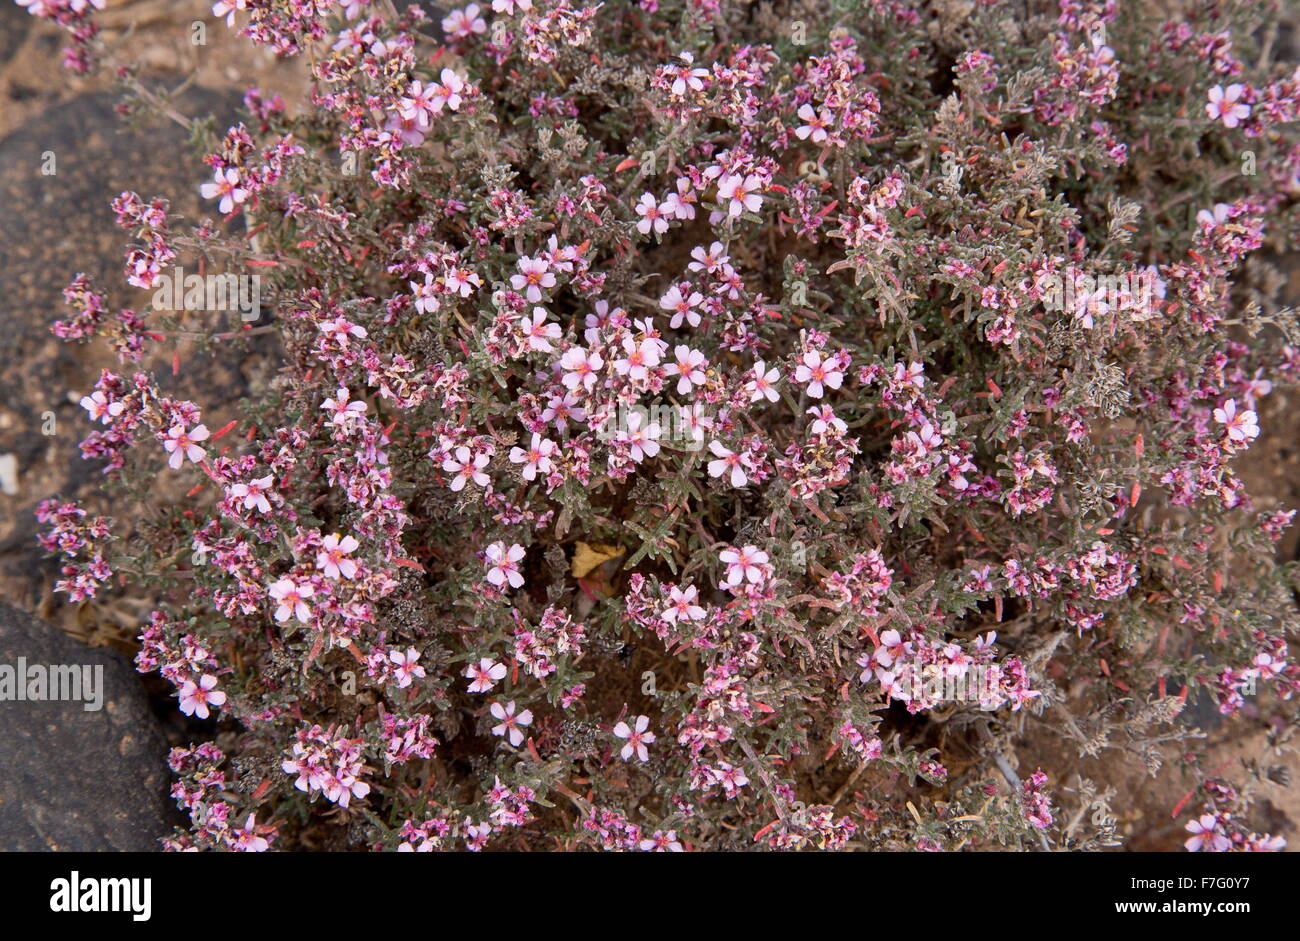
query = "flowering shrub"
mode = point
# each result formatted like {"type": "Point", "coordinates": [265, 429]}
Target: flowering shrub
{"type": "Point", "coordinates": [705, 425]}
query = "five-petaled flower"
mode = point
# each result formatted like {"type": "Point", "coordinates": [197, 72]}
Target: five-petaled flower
{"type": "Point", "coordinates": [291, 598]}
{"type": "Point", "coordinates": [196, 697]}
{"type": "Point", "coordinates": [510, 723]}
{"type": "Point", "coordinates": [182, 444]}
{"type": "Point", "coordinates": [332, 559]}
{"type": "Point", "coordinates": [745, 564]}
{"type": "Point", "coordinates": [484, 675]}
{"type": "Point", "coordinates": [503, 564]}
{"type": "Point", "coordinates": [637, 738]}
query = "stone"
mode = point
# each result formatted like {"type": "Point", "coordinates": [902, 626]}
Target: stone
{"type": "Point", "coordinates": [73, 778]}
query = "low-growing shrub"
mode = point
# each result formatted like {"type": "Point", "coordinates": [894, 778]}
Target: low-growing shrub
{"type": "Point", "coordinates": [712, 425]}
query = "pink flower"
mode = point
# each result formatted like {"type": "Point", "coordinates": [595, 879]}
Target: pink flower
{"type": "Point", "coordinates": [661, 842]}
{"type": "Point", "coordinates": [508, 6]}
{"type": "Point", "coordinates": [727, 460]}
{"type": "Point", "coordinates": [686, 366]}
{"type": "Point", "coordinates": [1206, 835]}
{"type": "Point", "coordinates": [225, 185]}
{"type": "Point", "coordinates": [762, 383]}
{"type": "Point", "coordinates": [448, 92]}
{"type": "Point", "coordinates": [682, 605]}
{"type": "Point", "coordinates": [343, 409]}
{"type": "Point", "coordinates": [824, 420]}
{"type": "Point", "coordinates": [195, 697]}
{"type": "Point", "coordinates": [253, 493]}
{"type": "Point", "coordinates": [291, 598]}
{"type": "Point", "coordinates": [652, 216]}
{"type": "Point", "coordinates": [181, 445]}
{"type": "Point", "coordinates": [503, 564]}
{"type": "Point", "coordinates": [692, 78]}
{"type": "Point", "coordinates": [580, 368]}
{"type": "Point", "coordinates": [538, 331]}
{"type": "Point", "coordinates": [637, 738]}
{"type": "Point", "coordinates": [711, 260]}
{"type": "Point", "coordinates": [641, 442]}
{"type": "Point", "coordinates": [1225, 105]}
{"type": "Point", "coordinates": [407, 668]}
{"type": "Point", "coordinates": [333, 559]}
{"type": "Point", "coordinates": [742, 192]}
{"type": "Point", "coordinates": [744, 565]}
{"type": "Point", "coordinates": [340, 328]}
{"type": "Point", "coordinates": [817, 372]}
{"type": "Point", "coordinates": [461, 23]}
{"type": "Point", "coordinates": [1211, 218]}
{"type": "Point", "coordinates": [683, 307]}
{"type": "Point", "coordinates": [466, 468]}
{"type": "Point", "coordinates": [246, 838]}
{"type": "Point", "coordinates": [536, 459]}
{"type": "Point", "coordinates": [814, 124]}
{"type": "Point", "coordinates": [1241, 426]}
{"type": "Point", "coordinates": [100, 408]}
{"type": "Point", "coordinates": [510, 723]}
{"type": "Point", "coordinates": [484, 675]}
{"type": "Point", "coordinates": [639, 358]}
{"type": "Point", "coordinates": [534, 274]}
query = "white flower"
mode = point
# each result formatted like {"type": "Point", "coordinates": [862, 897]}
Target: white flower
{"type": "Point", "coordinates": [642, 442]}
{"type": "Point", "coordinates": [253, 493]}
{"type": "Point", "coordinates": [343, 409]}
{"type": "Point", "coordinates": [580, 368]}
{"type": "Point", "coordinates": [226, 186]}
{"type": "Point", "coordinates": [538, 331]}
{"type": "Point", "coordinates": [1241, 425]}
{"type": "Point", "coordinates": [639, 358]}
{"type": "Point", "coordinates": [684, 306]}
{"type": "Point", "coordinates": [407, 668]}
{"type": "Point", "coordinates": [824, 420]}
{"type": "Point", "coordinates": [534, 274]}
{"type": "Point", "coordinates": [100, 408]}
{"type": "Point", "coordinates": [458, 24]}
{"type": "Point", "coordinates": [195, 697]}
{"type": "Point", "coordinates": [814, 124]}
{"type": "Point", "coordinates": [652, 215]}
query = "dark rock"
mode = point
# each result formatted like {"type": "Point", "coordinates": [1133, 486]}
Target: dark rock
{"type": "Point", "coordinates": [14, 25]}
{"type": "Point", "coordinates": [74, 779]}
{"type": "Point", "coordinates": [52, 228]}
